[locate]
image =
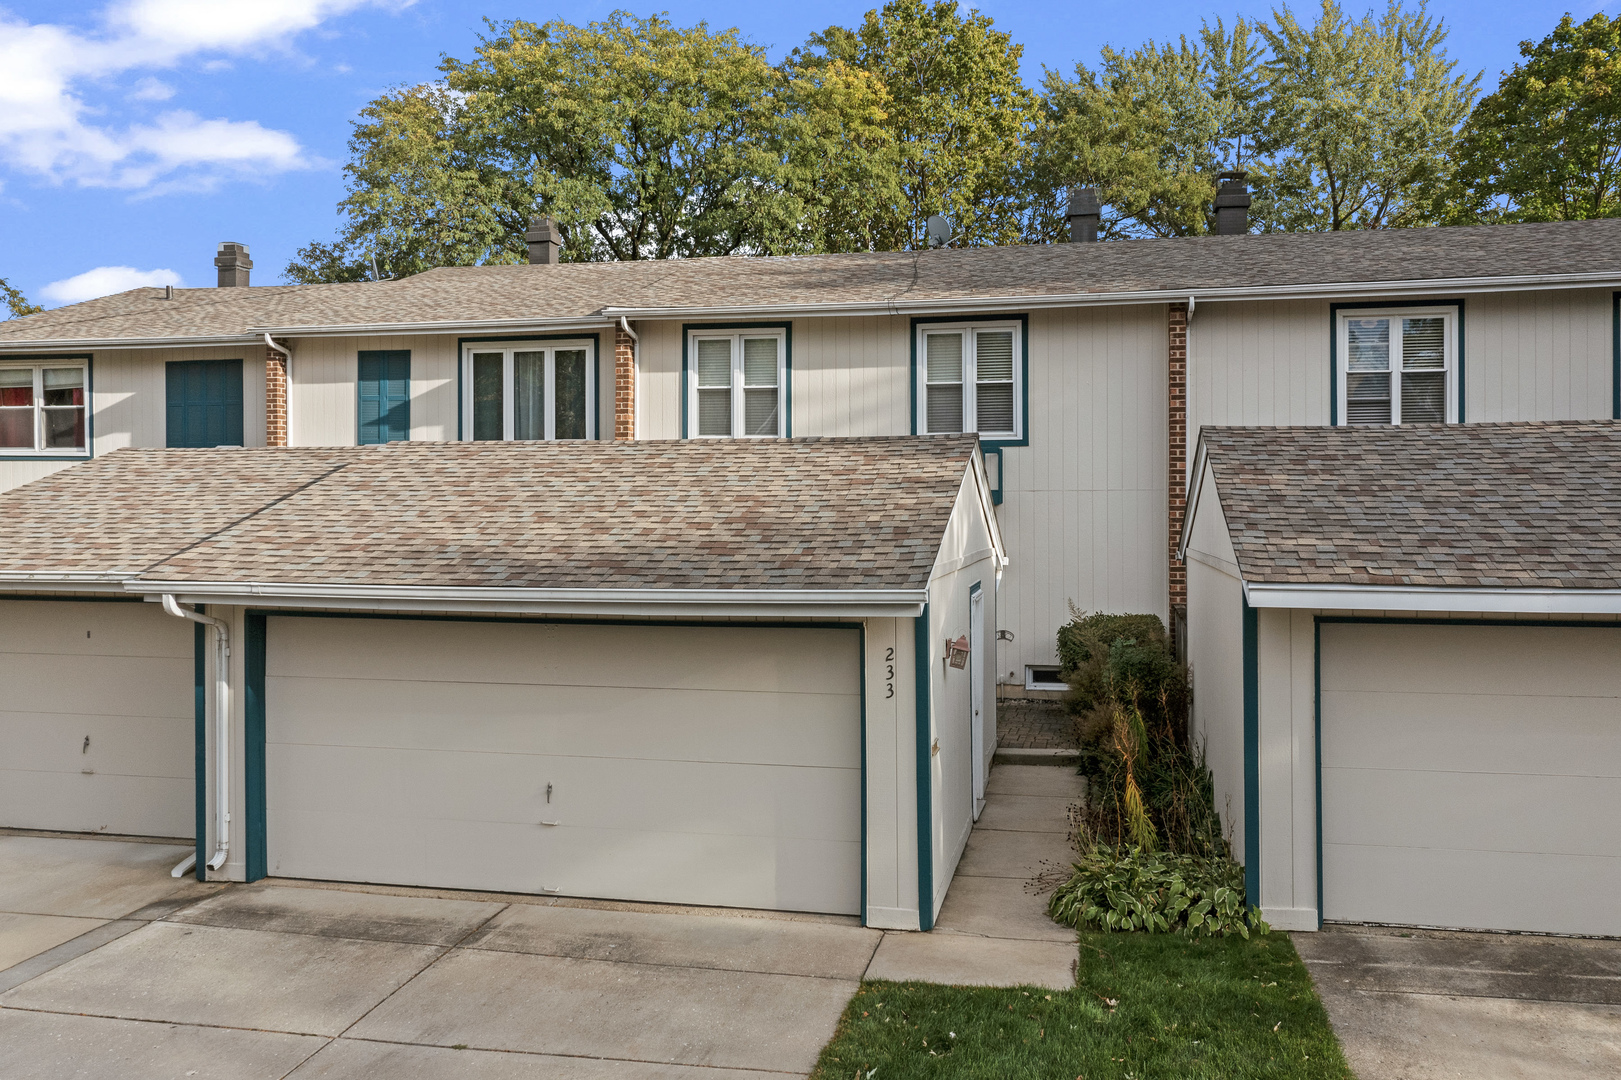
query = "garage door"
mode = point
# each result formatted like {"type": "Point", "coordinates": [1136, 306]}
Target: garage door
{"type": "Point", "coordinates": [1472, 776]}
{"type": "Point", "coordinates": [704, 765]}
{"type": "Point", "coordinates": [96, 721]}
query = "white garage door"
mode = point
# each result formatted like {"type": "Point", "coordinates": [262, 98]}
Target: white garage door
{"type": "Point", "coordinates": [96, 720]}
{"type": "Point", "coordinates": [704, 765]}
{"type": "Point", "coordinates": [1472, 776]}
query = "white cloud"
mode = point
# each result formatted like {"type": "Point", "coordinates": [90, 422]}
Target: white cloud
{"type": "Point", "coordinates": [104, 280]}
{"type": "Point", "coordinates": [47, 127]}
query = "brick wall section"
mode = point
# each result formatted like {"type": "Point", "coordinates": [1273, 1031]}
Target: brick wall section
{"type": "Point", "coordinates": [1177, 427]}
{"type": "Point", "coordinates": [275, 399]}
{"type": "Point", "coordinates": [624, 385]}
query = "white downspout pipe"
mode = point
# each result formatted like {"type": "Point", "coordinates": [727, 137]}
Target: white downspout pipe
{"type": "Point", "coordinates": [222, 721]}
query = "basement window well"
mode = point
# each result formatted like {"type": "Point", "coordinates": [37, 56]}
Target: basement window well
{"type": "Point", "coordinates": [1043, 678]}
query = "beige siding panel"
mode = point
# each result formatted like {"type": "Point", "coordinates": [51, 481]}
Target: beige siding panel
{"type": "Point", "coordinates": [17, 473]}
{"type": "Point", "coordinates": [693, 764]}
{"type": "Point", "coordinates": [658, 378]}
{"type": "Point", "coordinates": [326, 371]}
{"type": "Point", "coordinates": [1472, 776]}
{"type": "Point", "coordinates": [891, 775]}
{"type": "Point", "coordinates": [1538, 356]}
{"type": "Point", "coordinates": [851, 376]}
{"type": "Point", "coordinates": [1216, 667]}
{"type": "Point", "coordinates": [117, 674]}
{"type": "Point", "coordinates": [1083, 512]}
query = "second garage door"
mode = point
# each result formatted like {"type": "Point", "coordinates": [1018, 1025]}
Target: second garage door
{"type": "Point", "coordinates": [687, 764]}
{"type": "Point", "coordinates": [1471, 776]}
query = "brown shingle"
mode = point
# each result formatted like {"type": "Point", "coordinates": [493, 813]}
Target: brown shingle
{"type": "Point", "coordinates": [1525, 505]}
{"type": "Point", "coordinates": [753, 514]}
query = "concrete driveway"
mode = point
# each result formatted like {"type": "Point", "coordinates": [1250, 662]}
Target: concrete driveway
{"type": "Point", "coordinates": [1428, 1004]}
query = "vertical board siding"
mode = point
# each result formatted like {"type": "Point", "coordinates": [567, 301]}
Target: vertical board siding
{"type": "Point", "coordinates": [1083, 512]}
{"type": "Point", "coordinates": [658, 375]}
{"type": "Point", "coordinates": [323, 405]}
{"type": "Point", "coordinates": [851, 376]}
{"type": "Point", "coordinates": [1538, 356]}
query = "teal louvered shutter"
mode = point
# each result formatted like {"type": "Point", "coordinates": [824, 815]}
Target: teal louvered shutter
{"type": "Point", "coordinates": [384, 397]}
{"type": "Point", "coordinates": [203, 403]}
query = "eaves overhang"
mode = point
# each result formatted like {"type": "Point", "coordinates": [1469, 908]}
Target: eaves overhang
{"type": "Point", "coordinates": [1505, 600]}
{"type": "Point", "coordinates": [460, 328]}
{"type": "Point", "coordinates": [53, 345]}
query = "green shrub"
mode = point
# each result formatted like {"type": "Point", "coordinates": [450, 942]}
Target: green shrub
{"type": "Point", "coordinates": [1156, 891]}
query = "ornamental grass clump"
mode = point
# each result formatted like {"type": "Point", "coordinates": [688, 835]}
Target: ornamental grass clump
{"type": "Point", "coordinates": [1152, 853]}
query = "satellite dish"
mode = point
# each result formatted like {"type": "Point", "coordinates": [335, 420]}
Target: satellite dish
{"type": "Point", "coordinates": [939, 231]}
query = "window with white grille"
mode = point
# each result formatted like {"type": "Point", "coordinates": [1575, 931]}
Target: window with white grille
{"type": "Point", "coordinates": [971, 379]}
{"type": "Point", "coordinates": [43, 408]}
{"type": "Point", "coordinates": [735, 383]}
{"type": "Point", "coordinates": [1398, 366]}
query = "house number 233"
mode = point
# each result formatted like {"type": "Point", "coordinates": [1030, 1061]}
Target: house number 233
{"type": "Point", "coordinates": [889, 673]}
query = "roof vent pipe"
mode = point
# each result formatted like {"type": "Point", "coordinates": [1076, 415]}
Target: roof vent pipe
{"type": "Point", "coordinates": [545, 240]}
{"type": "Point", "coordinates": [1085, 215]}
{"type": "Point", "coordinates": [1233, 204]}
{"type": "Point", "coordinates": [233, 263]}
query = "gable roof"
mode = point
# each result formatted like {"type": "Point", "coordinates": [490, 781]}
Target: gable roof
{"type": "Point", "coordinates": [448, 299]}
{"type": "Point", "coordinates": [1446, 508]}
{"type": "Point", "coordinates": [715, 520]}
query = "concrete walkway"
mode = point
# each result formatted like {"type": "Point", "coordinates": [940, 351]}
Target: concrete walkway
{"type": "Point", "coordinates": [1428, 1004]}
{"type": "Point", "coordinates": [992, 930]}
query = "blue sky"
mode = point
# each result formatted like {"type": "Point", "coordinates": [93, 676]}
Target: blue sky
{"type": "Point", "coordinates": [136, 134]}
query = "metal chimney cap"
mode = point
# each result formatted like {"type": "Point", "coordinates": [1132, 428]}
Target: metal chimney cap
{"type": "Point", "coordinates": [1084, 202]}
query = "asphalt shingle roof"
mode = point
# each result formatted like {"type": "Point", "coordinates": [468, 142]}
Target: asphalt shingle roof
{"type": "Point", "coordinates": [582, 290]}
{"type": "Point", "coordinates": [1525, 505]}
{"type": "Point", "coordinates": [748, 514]}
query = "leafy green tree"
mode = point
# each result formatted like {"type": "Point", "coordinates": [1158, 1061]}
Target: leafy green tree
{"type": "Point", "coordinates": [16, 303]}
{"type": "Point", "coordinates": [1547, 145]}
{"type": "Point", "coordinates": [1360, 119]}
{"type": "Point", "coordinates": [955, 122]}
{"type": "Point", "coordinates": [1152, 128]}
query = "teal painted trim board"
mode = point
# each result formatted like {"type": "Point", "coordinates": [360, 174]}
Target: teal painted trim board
{"type": "Point", "coordinates": [1252, 758]}
{"type": "Point", "coordinates": [924, 673]}
{"type": "Point", "coordinates": [1334, 347]}
{"type": "Point", "coordinates": [863, 639]}
{"type": "Point", "coordinates": [787, 329]}
{"type": "Point", "coordinates": [253, 746]}
{"type": "Point", "coordinates": [1615, 356]}
{"type": "Point", "coordinates": [199, 762]}
{"type": "Point", "coordinates": [1317, 745]}
{"type": "Point", "coordinates": [1024, 363]}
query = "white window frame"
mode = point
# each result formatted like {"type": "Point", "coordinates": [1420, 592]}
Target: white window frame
{"type": "Point", "coordinates": [738, 386]}
{"type": "Point", "coordinates": [508, 394]}
{"type": "Point", "coordinates": [970, 405]}
{"type": "Point", "coordinates": [1395, 315]}
{"type": "Point", "coordinates": [39, 449]}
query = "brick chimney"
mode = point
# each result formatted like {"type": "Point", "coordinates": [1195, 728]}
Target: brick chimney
{"type": "Point", "coordinates": [1085, 215]}
{"type": "Point", "coordinates": [233, 263]}
{"type": "Point", "coordinates": [545, 240]}
{"type": "Point", "coordinates": [1233, 204]}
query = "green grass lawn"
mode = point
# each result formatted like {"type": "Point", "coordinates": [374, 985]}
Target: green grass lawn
{"type": "Point", "coordinates": [1146, 1006]}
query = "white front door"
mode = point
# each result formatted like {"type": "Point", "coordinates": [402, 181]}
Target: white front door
{"type": "Point", "coordinates": [684, 764]}
{"type": "Point", "coordinates": [976, 692]}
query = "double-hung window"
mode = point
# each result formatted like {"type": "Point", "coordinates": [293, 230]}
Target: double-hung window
{"type": "Point", "coordinates": [1398, 366]}
{"type": "Point", "coordinates": [529, 390]}
{"type": "Point", "coordinates": [43, 408]}
{"type": "Point", "coordinates": [971, 379]}
{"type": "Point", "coordinates": [735, 382]}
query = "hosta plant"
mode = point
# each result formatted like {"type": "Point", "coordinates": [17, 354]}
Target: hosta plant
{"type": "Point", "coordinates": [1130, 888]}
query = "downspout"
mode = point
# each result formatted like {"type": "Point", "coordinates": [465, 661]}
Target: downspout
{"type": "Point", "coordinates": [285, 350]}
{"type": "Point", "coordinates": [624, 324]}
{"type": "Point", "coordinates": [222, 719]}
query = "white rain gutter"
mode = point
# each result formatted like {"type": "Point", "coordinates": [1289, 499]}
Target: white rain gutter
{"type": "Point", "coordinates": [222, 726]}
{"type": "Point", "coordinates": [460, 327]}
{"type": "Point", "coordinates": [37, 344]}
{"type": "Point", "coordinates": [1436, 598]}
{"type": "Point", "coordinates": [825, 603]}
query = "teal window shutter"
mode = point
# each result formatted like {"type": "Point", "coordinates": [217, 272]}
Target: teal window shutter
{"type": "Point", "coordinates": [203, 403]}
{"type": "Point", "coordinates": [384, 396]}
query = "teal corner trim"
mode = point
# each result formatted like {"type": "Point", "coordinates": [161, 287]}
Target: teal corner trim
{"type": "Point", "coordinates": [253, 746]}
{"type": "Point", "coordinates": [199, 762]}
{"type": "Point", "coordinates": [1334, 349]}
{"type": "Point", "coordinates": [596, 371]}
{"type": "Point", "coordinates": [787, 329]}
{"type": "Point", "coordinates": [996, 489]}
{"type": "Point", "coordinates": [1252, 758]}
{"type": "Point", "coordinates": [1024, 376]}
{"type": "Point", "coordinates": [1317, 747]}
{"type": "Point", "coordinates": [863, 646]}
{"type": "Point", "coordinates": [924, 665]}
{"type": "Point", "coordinates": [1615, 356]}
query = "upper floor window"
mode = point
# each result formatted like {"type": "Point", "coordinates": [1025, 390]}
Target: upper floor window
{"type": "Point", "coordinates": [529, 390]}
{"type": "Point", "coordinates": [1399, 366]}
{"type": "Point", "coordinates": [971, 379]}
{"type": "Point", "coordinates": [735, 382]}
{"type": "Point", "coordinates": [42, 408]}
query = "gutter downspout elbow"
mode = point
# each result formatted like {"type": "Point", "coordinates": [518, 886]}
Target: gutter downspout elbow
{"type": "Point", "coordinates": [624, 324]}
{"type": "Point", "coordinates": [222, 718]}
